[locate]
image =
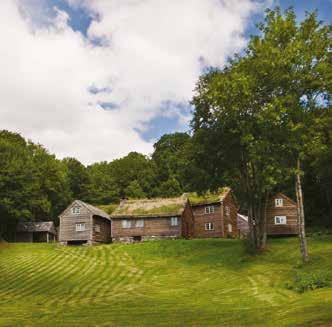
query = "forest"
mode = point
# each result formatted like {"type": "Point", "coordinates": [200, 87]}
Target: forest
{"type": "Point", "coordinates": [261, 124]}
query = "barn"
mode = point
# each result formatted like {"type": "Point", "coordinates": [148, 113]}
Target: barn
{"type": "Point", "coordinates": [146, 219]}
{"type": "Point", "coordinates": [41, 231]}
{"type": "Point", "coordinates": [82, 223]}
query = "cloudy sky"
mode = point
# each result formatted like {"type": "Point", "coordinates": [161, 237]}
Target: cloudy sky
{"type": "Point", "coordinates": [96, 79]}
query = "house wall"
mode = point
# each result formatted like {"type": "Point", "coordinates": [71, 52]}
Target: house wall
{"type": "Point", "coordinates": [289, 210]}
{"type": "Point", "coordinates": [187, 222]}
{"type": "Point", "coordinates": [201, 218]}
{"type": "Point", "coordinates": [24, 237]}
{"type": "Point", "coordinates": [230, 219]}
{"type": "Point", "coordinates": [153, 226]}
{"type": "Point", "coordinates": [104, 235]}
{"type": "Point", "coordinates": [68, 221]}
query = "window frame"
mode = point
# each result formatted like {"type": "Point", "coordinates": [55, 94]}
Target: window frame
{"type": "Point", "coordinates": [227, 211]}
{"type": "Point", "coordinates": [139, 225]}
{"type": "Point", "coordinates": [80, 229]}
{"type": "Point", "coordinates": [209, 226]}
{"type": "Point", "coordinates": [209, 210]}
{"type": "Point", "coordinates": [76, 210]}
{"type": "Point", "coordinates": [230, 228]}
{"type": "Point", "coordinates": [176, 219]}
{"type": "Point", "coordinates": [279, 202]}
{"type": "Point", "coordinates": [97, 228]}
{"type": "Point", "coordinates": [126, 224]}
{"type": "Point", "coordinates": [284, 218]}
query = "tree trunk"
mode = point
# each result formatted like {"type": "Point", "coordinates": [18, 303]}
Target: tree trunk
{"type": "Point", "coordinates": [300, 213]}
{"type": "Point", "coordinates": [264, 233]}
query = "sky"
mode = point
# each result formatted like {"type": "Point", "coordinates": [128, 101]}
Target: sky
{"type": "Point", "coordinates": [96, 79]}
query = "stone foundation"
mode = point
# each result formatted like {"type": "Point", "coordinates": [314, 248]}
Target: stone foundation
{"type": "Point", "coordinates": [130, 239]}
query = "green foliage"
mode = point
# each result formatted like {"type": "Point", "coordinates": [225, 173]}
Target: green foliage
{"type": "Point", "coordinates": [308, 282]}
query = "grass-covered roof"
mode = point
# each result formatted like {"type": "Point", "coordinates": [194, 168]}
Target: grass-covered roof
{"type": "Point", "coordinates": [198, 199]}
{"type": "Point", "coordinates": [150, 207]}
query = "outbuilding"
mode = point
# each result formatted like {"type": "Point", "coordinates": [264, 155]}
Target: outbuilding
{"type": "Point", "coordinates": [41, 231]}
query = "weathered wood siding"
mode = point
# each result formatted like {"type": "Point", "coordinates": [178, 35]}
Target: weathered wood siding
{"type": "Point", "coordinates": [153, 226]}
{"type": "Point", "coordinates": [104, 235]}
{"type": "Point", "coordinates": [187, 222]}
{"type": "Point", "coordinates": [289, 210]}
{"type": "Point", "coordinates": [68, 223]}
{"type": "Point", "coordinates": [201, 218]}
{"type": "Point", "coordinates": [230, 216]}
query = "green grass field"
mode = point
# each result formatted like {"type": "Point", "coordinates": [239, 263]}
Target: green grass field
{"type": "Point", "coordinates": [163, 283]}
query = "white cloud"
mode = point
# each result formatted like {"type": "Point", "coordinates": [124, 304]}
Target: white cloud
{"type": "Point", "coordinates": [152, 56]}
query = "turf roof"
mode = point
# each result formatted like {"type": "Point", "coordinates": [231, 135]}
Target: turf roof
{"type": "Point", "coordinates": [197, 199]}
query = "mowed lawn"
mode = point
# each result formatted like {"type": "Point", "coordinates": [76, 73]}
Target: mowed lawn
{"type": "Point", "coordinates": [163, 283]}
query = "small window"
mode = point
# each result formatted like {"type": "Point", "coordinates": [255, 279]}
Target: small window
{"type": "Point", "coordinates": [126, 224]}
{"type": "Point", "coordinates": [174, 221]}
{"type": "Point", "coordinates": [80, 227]}
{"type": "Point", "coordinates": [280, 220]}
{"type": "Point", "coordinates": [230, 228]}
{"type": "Point", "coordinates": [76, 210]}
{"type": "Point", "coordinates": [209, 209]}
{"type": "Point", "coordinates": [97, 228]}
{"type": "Point", "coordinates": [279, 202]}
{"type": "Point", "coordinates": [227, 210]}
{"type": "Point", "coordinates": [209, 226]}
{"type": "Point", "coordinates": [139, 223]}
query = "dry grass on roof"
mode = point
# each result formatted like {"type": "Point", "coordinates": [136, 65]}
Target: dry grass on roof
{"type": "Point", "coordinates": [208, 197]}
{"type": "Point", "coordinates": [145, 207]}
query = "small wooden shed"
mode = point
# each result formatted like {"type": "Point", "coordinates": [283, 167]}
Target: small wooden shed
{"type": "Point", "coordinates": [82, 223]}
{"type": "Point", "coordinates": [41, 231]}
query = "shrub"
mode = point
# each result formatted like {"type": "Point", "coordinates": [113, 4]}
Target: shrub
{"type": "Point", "coordinates": [307, 282]}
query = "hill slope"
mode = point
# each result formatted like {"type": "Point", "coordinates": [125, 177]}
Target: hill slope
{"type": "Point", "coordinates": [164, 283]}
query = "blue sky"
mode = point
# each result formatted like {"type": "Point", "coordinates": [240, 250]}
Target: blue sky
{"type": "Point", "coordinates": [81, 20]}
{"type": "Point", "coordinates": [100, 78]}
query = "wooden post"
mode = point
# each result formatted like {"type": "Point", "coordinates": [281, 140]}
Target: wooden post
{"type": "Point", "coordinates": [47, 237]}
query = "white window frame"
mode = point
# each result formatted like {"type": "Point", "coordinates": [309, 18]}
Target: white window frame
{"type": "Point", "coordinates": [80, 227]}
{"type": "Point", "coordinates": [227, 211]}
{"type": "Point", "coordinates": [126, 223]}
{"type": "Point", "coordinates": [279, 202]}
{"type": "Point", "coordinates": [280, 220]}
{"type": "Point", "coordinates": [209, 209]}
{"type": "Point", "coordinates": [76, 210]}
{"type": "Point", "coordinates": [97, 228]}
{"type": "Point", "coordinates": [139, 223]}
{"type": "Point", "coordinates": [209, 226]}
{"type": "Point", "coordinates": [230, 228]}
{"type": "Point", "coordinates": [174, 221]}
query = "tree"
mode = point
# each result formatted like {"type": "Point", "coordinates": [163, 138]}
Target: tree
{"type": "Point", "coordinates": [258, 111]}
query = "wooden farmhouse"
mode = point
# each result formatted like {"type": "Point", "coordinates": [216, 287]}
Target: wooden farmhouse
{"type": "Point", "coordinates": [215, 215]}
{"type": "Point", "coordinates": [42, 231]}
{"type": "Point", "coordinates": [282, 216]}
{"type": "Point", "coordinates": [136, 220]}
{"type": "Point", "coordinates": [82, 223]}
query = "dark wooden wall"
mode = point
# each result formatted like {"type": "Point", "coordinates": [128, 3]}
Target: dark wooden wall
{"type": "Point", "coordinates": [230, 219]}
{"type": "Point", "coordinates": [289, 210]}
{"type": "Point", "coordinates": [104, 235]}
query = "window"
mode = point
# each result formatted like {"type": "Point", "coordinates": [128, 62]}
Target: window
{"type": "Point", "coordinates": [209, 209]}
{"type": "Point", "coordinates": [126, 224]}
{"type": "Point", "coordinates": [280, 220]}
{"type": "Point", "coordinates": [97, 228]}
{"type": "Point", "coordinates": [139, 223]}
{"type": "Point", "coordinates": [80, 227]}
{"type": "Point", "coordinates": [230, 228]}
{"type": "Point", "coordinates": [174, 221]}
{"type": "Point", "coordinates": [209, 226]}
{"type": "Point", "coordinates": [76, 210]}
{"type": "Point", "coordinates": [227, 211]}
{"type": "Point", "coordinates": [279, 202]}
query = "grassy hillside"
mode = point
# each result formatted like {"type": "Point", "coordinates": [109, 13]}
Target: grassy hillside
{"type": "Point", "coordinates": [164, 283]}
